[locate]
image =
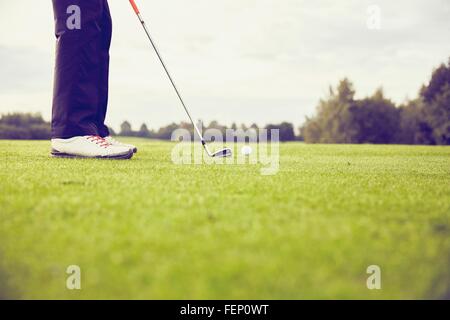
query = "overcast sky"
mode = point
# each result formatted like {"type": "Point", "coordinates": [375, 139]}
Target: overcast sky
{"type": "Point", "coordinates": [234, 60]}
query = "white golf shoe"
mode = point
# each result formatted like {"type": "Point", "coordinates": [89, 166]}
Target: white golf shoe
{"type": "Point", "coordinates": [89, 147]}
{"type": "Point", "coordinates": [114, 142]}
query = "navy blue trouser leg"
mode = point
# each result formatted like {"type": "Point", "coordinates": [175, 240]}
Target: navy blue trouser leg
{"type": "Point", "coordinates": [80, 94]}
{"type": "Point", "coordinates": [106, 26]}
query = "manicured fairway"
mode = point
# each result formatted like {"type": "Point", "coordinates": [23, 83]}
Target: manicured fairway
{"type": "Point", "coordinates": [150, 229]}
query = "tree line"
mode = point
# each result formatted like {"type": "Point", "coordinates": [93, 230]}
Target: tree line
{"type": "Point", "coordinates": [286, 130]}
{"type": "Point", "coordinates": [32, 126]}
{"type": "Point", "coordinates": [24, 126]}
{"type": "Point", "coordinates": [339, 118]}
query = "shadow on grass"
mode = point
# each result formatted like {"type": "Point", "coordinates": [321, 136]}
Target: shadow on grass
{"type": "Point", "coordinates": [5, 294]}
{"type": "Point", "coordinates": [440, 286]}
{"type": "Point", "coordinates": [6, 291]}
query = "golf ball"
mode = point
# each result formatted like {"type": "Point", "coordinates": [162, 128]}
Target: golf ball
{"type": "Point", "coordinates": [246, 150]}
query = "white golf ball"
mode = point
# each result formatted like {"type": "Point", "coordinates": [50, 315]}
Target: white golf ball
{"type": "Point", "coordinates": [246, 150]}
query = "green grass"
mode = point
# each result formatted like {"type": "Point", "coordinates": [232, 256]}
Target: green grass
{"type": "Point", "coordinates": [150, 229]}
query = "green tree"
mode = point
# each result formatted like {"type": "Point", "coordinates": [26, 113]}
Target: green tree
{"type": "Point", "coordinates": [24, 126]}
{"type": "Point", "coordinates": [311, 130]}
{"type": "Point", "coordinates": [343, 119]}
{"type": "Point", "coordinates": [413, 129]}
{"type": "Point", "coordinates": [439, 79]}
{"type": "Point", "coordinates": [333, 122]}
{"type": "Point", "coordinates": [125, 129]}
{"type": "Point", "coordinates": [165, 133]}
{"type": "Point", "coordinates": [436, 111]}
{"type": "Point", "coordinates": [286, 131]}
{"type": "Point", "coordinates": [437, 115]}
{"type": "Point", "coordinates": [143, 131]}
{"type": "Point", "coordinates": [216, 125]}
{"type": "Point", "coordinates": [375, 119]}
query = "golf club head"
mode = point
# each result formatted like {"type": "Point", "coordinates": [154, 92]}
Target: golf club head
{"type": "Point", "coordinates": [224, 153]}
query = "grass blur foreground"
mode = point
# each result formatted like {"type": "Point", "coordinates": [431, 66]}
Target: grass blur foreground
{"type": "Point", "coordinates": [150, 229]}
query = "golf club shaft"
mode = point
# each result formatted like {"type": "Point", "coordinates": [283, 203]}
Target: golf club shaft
{"type": "Point", "coordinates": [136, 10]}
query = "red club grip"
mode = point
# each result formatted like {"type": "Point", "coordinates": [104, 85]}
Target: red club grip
{"type": "Point", "coordinates": [135, 7]}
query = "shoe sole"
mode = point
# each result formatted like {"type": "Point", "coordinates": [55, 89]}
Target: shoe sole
{"type": "Point", "coordinates": [56, 154]}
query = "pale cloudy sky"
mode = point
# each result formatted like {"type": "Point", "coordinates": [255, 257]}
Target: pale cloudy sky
{"type": "Point", "coordinates": [234, 60]}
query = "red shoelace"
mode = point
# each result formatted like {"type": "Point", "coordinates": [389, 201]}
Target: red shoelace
{"type": "Point", "coordinates": [99, 140]}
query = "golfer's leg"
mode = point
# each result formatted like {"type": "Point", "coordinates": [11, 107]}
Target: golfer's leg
{"type": "Point", "coordinates": [77, 70]}
{"type": "Point", "coordinates": [106, 26]}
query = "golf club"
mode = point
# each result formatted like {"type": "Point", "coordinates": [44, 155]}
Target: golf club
{"type": "Point", "coordinates": [218, 154]}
